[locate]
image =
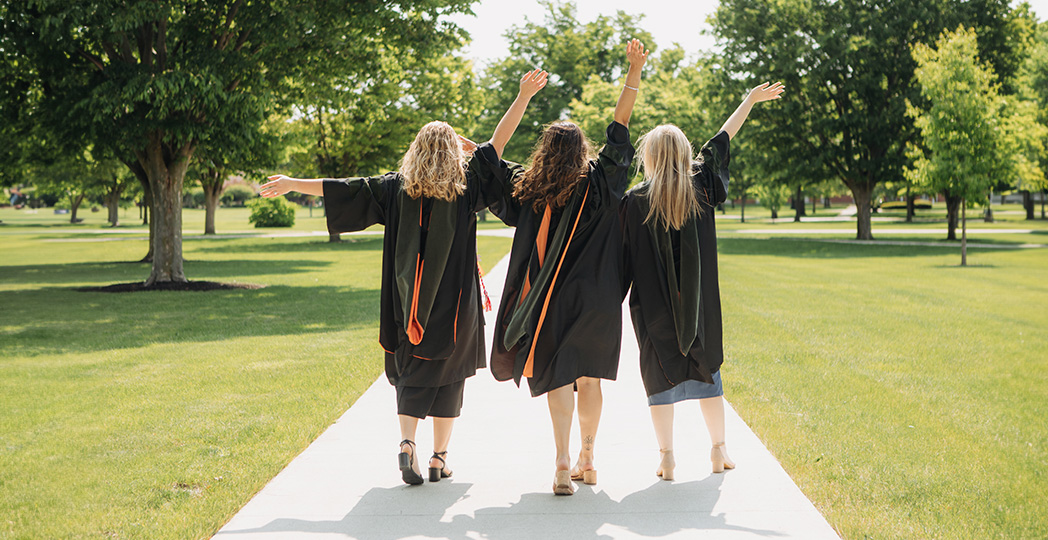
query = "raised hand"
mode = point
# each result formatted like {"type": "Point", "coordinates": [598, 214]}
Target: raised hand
{"type": "Point", "coordinates": [468, 146]}
{"type": "Point", "coordinates": [636, 54]}
{"type": "Point", "coordinates": [766, 92]}
{"type": "Point", "coordinates": [278, 185]}
{"type": "Point", "coordinates": [532, 82]}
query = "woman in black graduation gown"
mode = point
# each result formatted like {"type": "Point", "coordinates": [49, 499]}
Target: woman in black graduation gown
{"type": "Point", "coordinates": [431, 316]}
{"type": "Point", "coordinates": [559, 321]}
{"type": "Point", "coordinates": [671, 259]}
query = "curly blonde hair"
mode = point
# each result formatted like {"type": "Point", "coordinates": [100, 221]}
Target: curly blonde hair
{"type": "Point", "coordinates": [433, 165]}
{"type": "Point", "coordinates": [666, 158]}
{"type": "Point", "coordinates": [559, 161]}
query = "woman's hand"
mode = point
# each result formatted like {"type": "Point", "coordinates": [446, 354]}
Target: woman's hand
{"type": "Point", "coordinates": [766, 92]}
{"type": "Point", "coordinates": [636, 54]}
{"type": "Point", "coordinates": [278, 185]}
{"type": "Point", "coordinates": [468, 146]}
{"type": "Point", "coordinates": [532, 82]}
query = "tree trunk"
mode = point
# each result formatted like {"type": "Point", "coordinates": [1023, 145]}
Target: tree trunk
{"type": "Point", "coordinates": [210, 205]}
{"type": "Point", "coordinates": [964, 235]}
{"type": "Point", "coordinates": [798, 204]}
{"type": "Point", "coordinates": [814, 199]}
{"type": "Point", "coordinates": [212, 182]}
{"type": "Point", "coordinates": [166, 167]}
{"type": "Point", "coordinates": [74, 205]}
{"type": "Point", "coordinates": [334, 237]}
{"type": "Point", "coordinates": [952, 205]}
{"type": "Point", "coordinates": [1028, 203]}
{"type": "Point", "coordinates": [113, 205]}
{"type": "Point", "coordinates": [743, 205]}
{"type": "Point", "coordinates": [774, 214]}
{"type": "Point", "coordinates": [863, 194]}
{"type": "Point", "coordinates": [910, 210]}
{"type": "Point", "coordinates": [825, 202]}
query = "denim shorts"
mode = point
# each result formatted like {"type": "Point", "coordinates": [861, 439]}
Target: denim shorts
{"type": "Point", "coordinates": [689, 389]}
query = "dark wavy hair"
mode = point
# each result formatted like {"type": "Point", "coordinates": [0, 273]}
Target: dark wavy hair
{"type": "Point", "coordinates": [559, 161]}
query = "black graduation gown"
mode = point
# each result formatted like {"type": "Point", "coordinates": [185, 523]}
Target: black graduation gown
{"type": "Point", "coordinates": [580, 334]}
{"type": "Point", "coordinates": [662, 364]}
{"type": "Point", "coordinates": [452, 347]}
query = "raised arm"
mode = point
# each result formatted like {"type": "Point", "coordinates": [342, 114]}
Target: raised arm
{"type": "Point", "coordinates": [530, 84]}
{"type": "Point", "coordinates": [637, 55]}
{"type": "Point", "coordinates": [764, 92]}
{"type": "Point", "coordinates": [279, 184]}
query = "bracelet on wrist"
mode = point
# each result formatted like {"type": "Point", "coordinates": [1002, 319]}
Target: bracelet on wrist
{"type": "Point", "coordinates": [635, 89]}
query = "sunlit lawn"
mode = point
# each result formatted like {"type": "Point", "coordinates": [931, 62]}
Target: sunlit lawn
{"type": "Point", "coordinates": [905, 395]}
{"type": "Point", "coordinates": [158, 415]}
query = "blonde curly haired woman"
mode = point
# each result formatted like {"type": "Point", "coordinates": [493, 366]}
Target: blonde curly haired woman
{"type": "Point", "coordinates": [671, 259]}
{"type": "Point", "coordinates": [431, 316]}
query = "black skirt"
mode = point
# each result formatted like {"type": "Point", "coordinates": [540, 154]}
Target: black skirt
{"type": "Point", "coordinates": [439, 401]}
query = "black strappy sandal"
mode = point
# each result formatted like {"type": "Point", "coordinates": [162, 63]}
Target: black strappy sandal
{"type": "Point", "coordinates": [436, 474]}
{"type": "Point", "coordinates": [406, 472]}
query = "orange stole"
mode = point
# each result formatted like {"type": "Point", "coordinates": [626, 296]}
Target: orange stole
{"type": "Point", "coordinates": [415, 330]}
{"type": "Point", "coordinates": [529, 366]}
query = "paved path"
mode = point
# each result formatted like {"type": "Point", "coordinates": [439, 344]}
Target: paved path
{"type": "Point", "coordinates": [347, 485]}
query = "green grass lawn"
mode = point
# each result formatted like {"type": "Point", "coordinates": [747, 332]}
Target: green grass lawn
{"type": "Point", "coordinates": [158, 415]}
{"type": "Point", "coordinates": [905, 395]}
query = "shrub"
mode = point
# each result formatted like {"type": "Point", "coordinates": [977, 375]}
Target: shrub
{"type": "Point", "coordinates": [194, 198]}
{"type": "Point", "coordinates": [237, 195]}
{"type": "Point", "coordinates": [275, 212]}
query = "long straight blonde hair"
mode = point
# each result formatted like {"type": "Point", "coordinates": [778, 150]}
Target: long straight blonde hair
{"type": "Point", "coordinates": [432, 167]}
{"type": "Point", "coordinates": [666, 159]}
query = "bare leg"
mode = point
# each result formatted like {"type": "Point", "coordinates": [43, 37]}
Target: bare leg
{"type": "Point", "coordinates": [591, 400]}
{"type": "Point", "coordinates": [561, 409]}
{"type": "Point", "coordinates": [713, 414]}
{"type": "Point", "coordinates": [441, 438]}
{"type": "Point", "coordinates": [408, 424]}
{"type": "Point", "coordinates": [662, 419]}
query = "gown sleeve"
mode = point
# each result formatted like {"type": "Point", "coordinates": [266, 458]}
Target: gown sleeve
{"type": "Point", "coordinates": [711, 171]}
{"type": "Point", "coordinates": [354, 204]}
{"type": "Point", "coordinates": [495, 180]}
{"type": "Point", "coordinates": [613, 163]}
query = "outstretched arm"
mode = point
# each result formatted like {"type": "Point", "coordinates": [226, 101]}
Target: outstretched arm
{"type": "Point", "coordinates": [279, 184]}
{"type": "Point", "coordinates": [530, 84]}
{"type": "Point", "coordinates": [637, 55]}
{"type": "Point", "coordinates": [764, 92]}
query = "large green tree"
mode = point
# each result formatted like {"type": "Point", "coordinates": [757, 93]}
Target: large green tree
{"type": "Point", "coordinates": [1034, 86]}
{"type": "Point", "coordinates": [572, 51]}
{"type": "Point", "coordinates": [971, 138]}
{"type": "Point", "coordinates": [155, 78]}
{"type": "Point", "coordinates": [849, 72]}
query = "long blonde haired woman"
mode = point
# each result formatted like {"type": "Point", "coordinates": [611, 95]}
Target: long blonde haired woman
{"type": "Point", "coordinates": [431, 326]}
{"type": "Point", "coordinates": [671, 258]}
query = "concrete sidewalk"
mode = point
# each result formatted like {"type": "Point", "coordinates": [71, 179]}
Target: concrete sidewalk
{"type": "Point", "coordinates": [347, 484]}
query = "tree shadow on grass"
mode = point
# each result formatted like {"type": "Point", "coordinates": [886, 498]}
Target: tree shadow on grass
{"type": "Point", "coordinates": [125, 271]}
{"type": "Point", "coordinates": [831, 248]}
{"type": "Point", "coordinates": [59, 321]}
{"type": "Point", "coordinates": [352, 243]}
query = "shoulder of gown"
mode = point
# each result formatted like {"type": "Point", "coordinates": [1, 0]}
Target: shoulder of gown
{"type": "Point", "coordinates": [493, 179]}
{"type": "Point", "coordinates": [710, 171]}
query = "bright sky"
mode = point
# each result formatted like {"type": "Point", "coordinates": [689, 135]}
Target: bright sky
{"type": "Point", "coordinates": [670, 21]}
